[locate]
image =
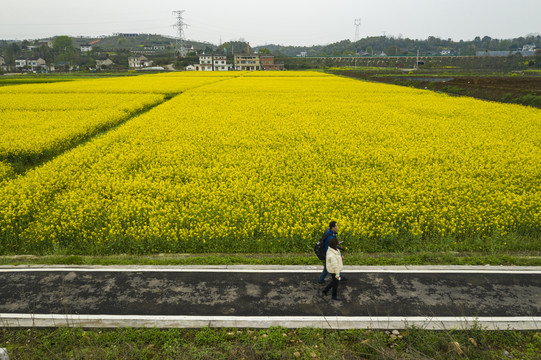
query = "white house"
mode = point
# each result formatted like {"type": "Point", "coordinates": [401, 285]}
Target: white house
{"type": "Point", "coordinates": [30, 63]}
{"type": "Point", "coordinates": [528, 47]}
{"type": "Point", "coordinates": [211, 63]}
{"type": "Point", "coordinates": [446, 52]}
{"type": "Point", "coordinates": [220, 63]}
{"type": "Point", "coordinates": [35, 63]}
{"type": "Point", "coordinates": [205, 59]}
{"type": "Point", "coordinates": [139, 61]}
{"type": "Point", "coordinates": [85, 48]}
{"type": "Point", "coordinates": [20, 63]}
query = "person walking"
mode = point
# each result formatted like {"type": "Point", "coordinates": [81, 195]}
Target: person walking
{"type": "Point", "coordinates": [334, 267]}
{"type": "Point", "coordinates": [330, 233]}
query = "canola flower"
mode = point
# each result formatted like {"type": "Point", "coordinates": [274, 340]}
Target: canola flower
{"type": "Point", "coordinates": [32, 134]}
{"type": "Point", "coordinates": [38, 121]}
{"type": "Point", "coordinates": [157, 83]}
{"type": "Point", "coordinates": [6, 170]}
{"type": "Point", "coordinates": [261, 162]}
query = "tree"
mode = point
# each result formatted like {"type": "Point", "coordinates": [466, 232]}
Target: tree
{"type": "Point", "coordinates": [235, 47]}
{"type": "Point", "coordinates": [393, 50]}
{"type": "Point", "coordinates": [63, 44]}
{"type": "Point", "coordinates": [264, 51]}
{"type": "Point", "coordinates": [11, 53]}
{"type": "Point", "coordinates": [45, 53]}
{"type": "Point", "coordinates": [120, 58]}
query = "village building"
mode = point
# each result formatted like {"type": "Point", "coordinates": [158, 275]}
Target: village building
{"type": "Point", "coordinates": [104, 64]}
{"type": "Point", "coordinates": [210, 63]}
{"type": "Point", "coordinates": [31, 64]}
{"type": "Point", "coordinates": [267, 63]}
{"type": "Point", "coordinates": [219, 63]}
{"type": "Point", "coordinates": [139, 61]}
{"type": "Point", "coordinates": [205, 63]}
{"type": "Point", "coordinates": [85, 48]}
{"type": "Point", "coordinates": [247, 62]}
{"type": "Point", "coordinates": [47, 42]}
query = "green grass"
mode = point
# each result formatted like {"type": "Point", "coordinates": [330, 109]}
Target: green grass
{"type": "Point", "coordinates": [377, 259]}
{"type": "Point", "coordinates": [529, 100]}
{"type": "Point", "coordinates": [272, 343]}
{"type": "Point", "coordinates": [56, 77]}
{"type": "Point", "coordinates": [21, 81]}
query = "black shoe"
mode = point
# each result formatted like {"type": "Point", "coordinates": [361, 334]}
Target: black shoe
{"type": "Point", "coordinates": [337, 298]}
{"type": "Point", "coordinates": [325, 292]}
{"type": "Point", "coordinates": [321, 281]}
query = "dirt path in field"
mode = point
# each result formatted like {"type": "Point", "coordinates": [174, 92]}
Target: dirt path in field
{"type": "Point", "coordinates": [244, 292]}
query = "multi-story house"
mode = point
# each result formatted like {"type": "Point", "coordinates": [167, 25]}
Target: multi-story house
{"type": "Point", "coordinates": [267, 63]}
{"type": "Point", "coordinates": [210, 63]}
{"type": "Point", "coordinates": [247, 62]}
{"type": "Point", "coordinates": [205, 63]}
{"type": "Point", "coordinates": [219, 63]}
{"type": "Point", "coordinates": [85, 48]}
{"type": "Point", "coordinates": [20, 63]}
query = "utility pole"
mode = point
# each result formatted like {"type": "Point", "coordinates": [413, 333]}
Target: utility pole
{"type": "Point", "coordinates": [180, 49]}
{"type": "Point", "coordinates": [357, 24]}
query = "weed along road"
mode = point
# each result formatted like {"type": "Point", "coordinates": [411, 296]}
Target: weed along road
{"type": "Point", "coordinates": [434, 297]}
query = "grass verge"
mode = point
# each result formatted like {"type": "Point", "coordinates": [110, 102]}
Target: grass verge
{"type": "Point", "coordinates": [272, 343]}
{"type": "Point", "coordinates": [449, 258]}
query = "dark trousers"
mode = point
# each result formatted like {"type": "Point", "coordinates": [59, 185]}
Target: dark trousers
{"type": "Point", "coordinates": [333, 285]}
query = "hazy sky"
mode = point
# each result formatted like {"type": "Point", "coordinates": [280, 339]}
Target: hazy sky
{"type": "Point", "coordinates": [285, 22]}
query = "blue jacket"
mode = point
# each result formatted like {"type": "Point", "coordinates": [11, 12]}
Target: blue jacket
{"type": "Point", "coordinates": [328, 235]}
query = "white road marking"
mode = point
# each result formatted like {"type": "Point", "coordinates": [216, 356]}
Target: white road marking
{"type": "Point", "coordinates": [280, 269]}
{"type": "Point", "coordinates": [323, 322]}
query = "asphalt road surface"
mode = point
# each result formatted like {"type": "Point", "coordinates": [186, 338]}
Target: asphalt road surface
{"type": "Point", "coordinates": [261, 296]}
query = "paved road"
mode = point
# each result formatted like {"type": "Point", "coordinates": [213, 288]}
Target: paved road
{"type": "Point", "coordinates": [261, 296]}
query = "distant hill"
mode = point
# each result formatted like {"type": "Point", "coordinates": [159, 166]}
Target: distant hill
{"type": "Point", "coordinates": [403, 46]}
{"type": "Point", "coordinates": [137, 42]}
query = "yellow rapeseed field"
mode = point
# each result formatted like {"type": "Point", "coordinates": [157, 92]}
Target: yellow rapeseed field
{"type": "Point", "coordinates": [261, 162]}
{"type": "Point", "coordinates": [42, 120]}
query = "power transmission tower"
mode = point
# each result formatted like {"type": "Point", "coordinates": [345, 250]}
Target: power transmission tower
{"type": "Point", "coordinates": [180, 49]}
{"type": "Point", "coordinates": [357, 29]}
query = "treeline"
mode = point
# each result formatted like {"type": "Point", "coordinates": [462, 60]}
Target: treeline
{"type": "Point", "coordinates": [65, 52]}
{"type": "Point", "coordinates": [404, 46]}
